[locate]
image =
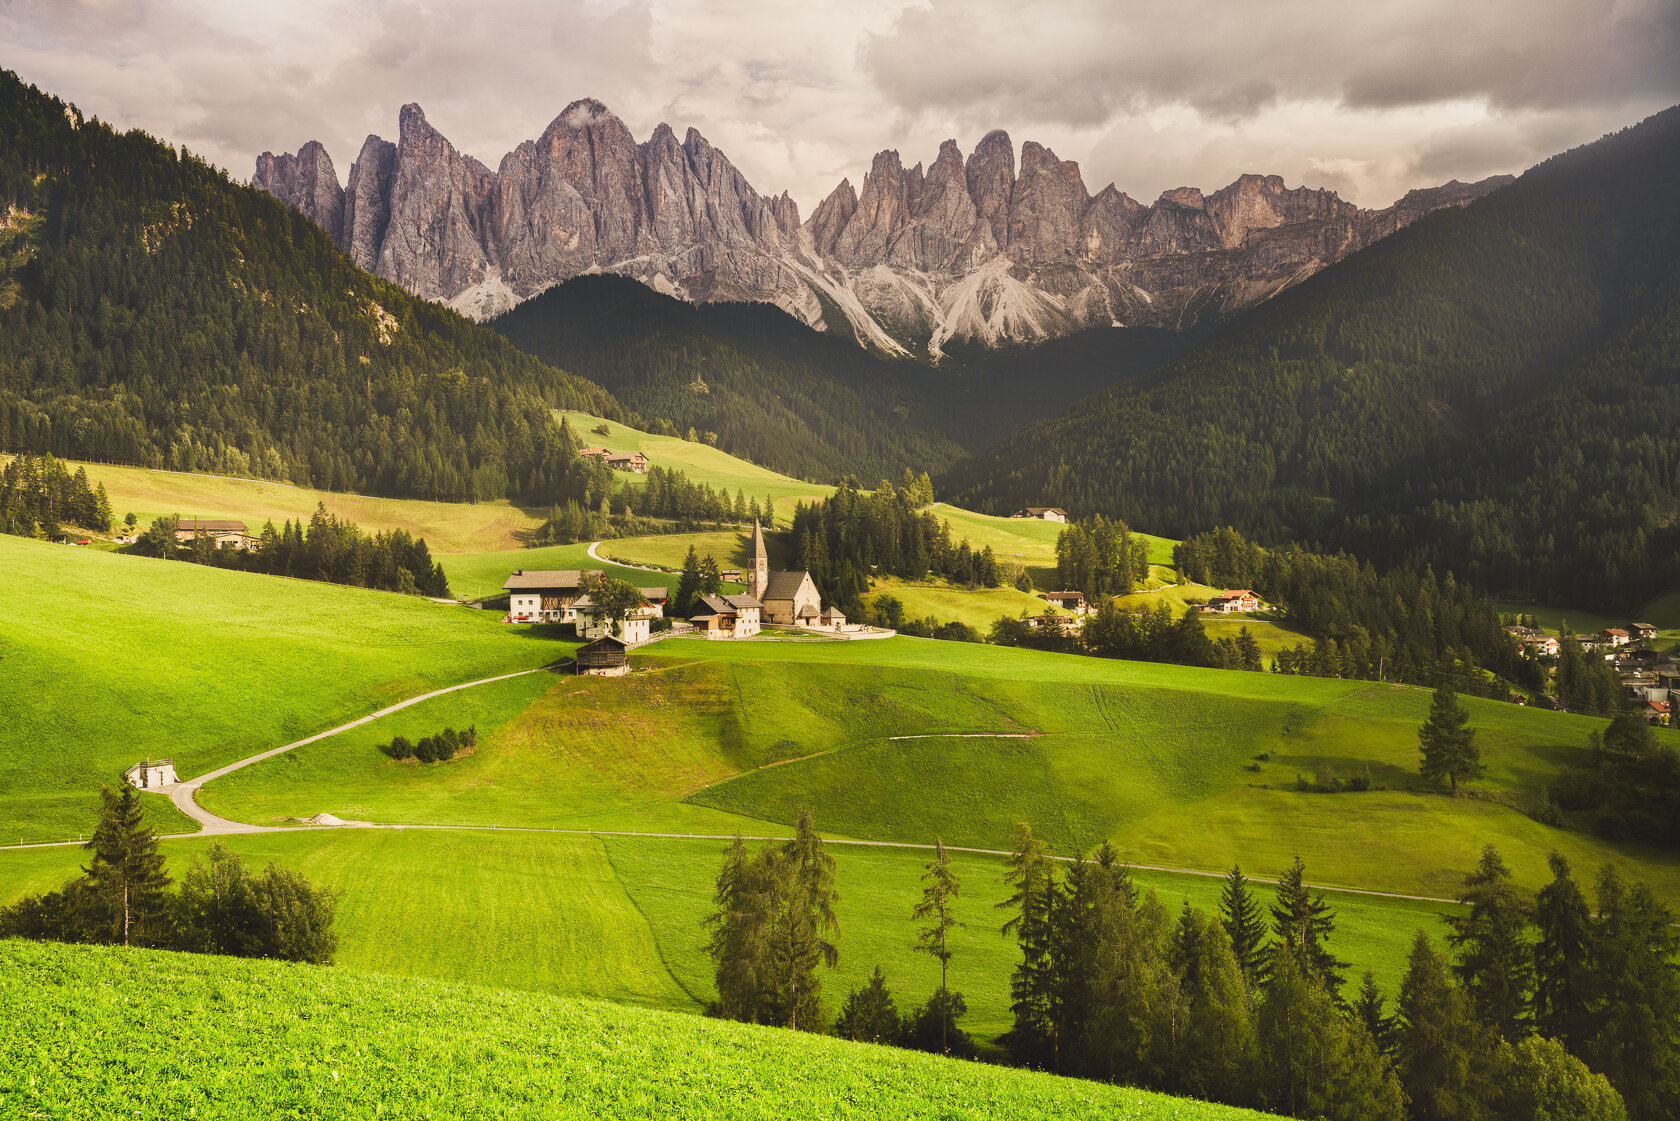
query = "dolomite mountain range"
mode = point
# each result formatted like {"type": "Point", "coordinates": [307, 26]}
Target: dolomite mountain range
{"type": "Point", "coordinates": [975, 249]}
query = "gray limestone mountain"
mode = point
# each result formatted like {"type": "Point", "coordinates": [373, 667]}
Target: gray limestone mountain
{"type": "Point", "coordinates": [969, 250]}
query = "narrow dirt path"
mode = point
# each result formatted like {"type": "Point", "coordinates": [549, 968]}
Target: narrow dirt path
{"type": "Point", "coordinates": [598, 558]}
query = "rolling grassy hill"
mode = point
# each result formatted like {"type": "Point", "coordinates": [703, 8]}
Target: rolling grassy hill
{"type": "Point", "coordinates": [448, 527]}
{"type": "Point", "coordinates": [257, 1038]}
{"type": "Point", "coordinates": [106, 659]}
{"type": "Point", "coordinates": [701, 462]}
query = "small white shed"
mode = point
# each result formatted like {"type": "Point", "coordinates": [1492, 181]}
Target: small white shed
{"type": "Point", "coordinates": [151, 774]}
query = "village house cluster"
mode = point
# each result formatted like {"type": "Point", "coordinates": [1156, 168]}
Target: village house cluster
{"type": "Point", "coordinates": [1651, 678]}
{"type": "Point", "coordinates": [787, 599]}
{"type": "Point", "coordinates": [618, 461]}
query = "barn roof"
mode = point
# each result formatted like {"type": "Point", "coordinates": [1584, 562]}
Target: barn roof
{"type": "Point", "coordinates": [553, 579]}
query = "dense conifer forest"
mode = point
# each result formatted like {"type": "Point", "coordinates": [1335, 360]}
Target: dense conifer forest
{"type": "Point", "coordinates": [154, 312]}
{"type": "Point", "coordinates": [1491, 392]}
{"type": "Point", "coordinates": [809, 404]}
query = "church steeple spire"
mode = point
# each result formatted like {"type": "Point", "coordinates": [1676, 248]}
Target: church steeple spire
{"type": "Point", "coordinates": [758, 577]}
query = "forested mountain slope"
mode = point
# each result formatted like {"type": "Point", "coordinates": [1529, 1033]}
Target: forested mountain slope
{"type": "Point", "coordinates": [1495, 390]}
{"type": "Point", "coordinates": [154, 312]}
{"type": "Point", "coordinates": [807, 403]}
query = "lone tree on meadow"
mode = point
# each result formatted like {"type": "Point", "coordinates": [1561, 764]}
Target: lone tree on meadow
{"type": "Point", "coordinates": [1447, 744]}
{"type": "Point", "coordinates": [125, 878]}
{"type": "Point", "coordinates": [614, 599]}
{"type": "Point", "coordinates": [940, 887]}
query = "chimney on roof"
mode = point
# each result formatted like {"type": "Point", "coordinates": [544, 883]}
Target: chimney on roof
{"type": "Point", "coordinates": [519, 572]}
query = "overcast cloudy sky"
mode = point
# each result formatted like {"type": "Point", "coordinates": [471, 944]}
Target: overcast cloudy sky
{"type": "Point", "coordinates": [1368, 98]}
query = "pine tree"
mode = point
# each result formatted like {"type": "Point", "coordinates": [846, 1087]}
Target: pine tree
{"type": "Point", "coordinates": [810, 906]}
{"type": "Point", "coordinates": [1495, 960]}
{"type": "Point", "coordinates": [1447, 745]}
{"type": "Point", "coordinates": [1637, 1042]}
{"type": "Point", "coordinates": [1441, 1051]}
{"type": "Point", "coordinates": [688, 586]}
{"type": "Point", "coordinates": [1368, 1010]}
{"type": "Point", "coordinates": [1315, 1062]}
{"type": "Point", "coordinates": [125, 876]}
{"type": "Point", "coordinates": [869, 1015]}
{"type": "Point", "coordinates": [940, 888]}
{"type": "Point", "coordinates": [1032, 1040]}
{"type": "Point", "coordinates": [1213, 1042]}
{"type": "Point", "coordinates": [1244, 925]}
{"type": "Point", "coordinates": [1565, 992]}
{"type": "Point", "coordinates": [1303, 923]}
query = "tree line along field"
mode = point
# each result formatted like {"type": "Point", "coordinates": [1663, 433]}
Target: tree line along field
{"type": "Point", "coordinates": [112, 659]}
{"type": "Point", "coordinates": [620, 917]}
{"type": "Point", "coordinates": [258, 1038]}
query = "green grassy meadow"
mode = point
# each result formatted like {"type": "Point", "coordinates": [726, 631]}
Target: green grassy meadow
{"type": "Point", "coordinates": [481, 575]}
{"type": "Point", "coordinates": [269, 1039]}
{"type": "Point", "coordinates": [731, 548]}
{"type": "Point", "coordinates": [979, 608]}
{"type": "Point", "coordinates": [702, 463]}
{"type": "Point", "coordinates": [448, 527]}
{"type": "Point", "coordinates": [108, 659]}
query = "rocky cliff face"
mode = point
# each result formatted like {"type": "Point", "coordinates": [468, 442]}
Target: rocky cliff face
{"type": "Point", "coordinates": [968, 249]}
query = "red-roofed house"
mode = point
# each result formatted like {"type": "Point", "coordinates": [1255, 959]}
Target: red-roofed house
{"type": "Point", "coordinates": [1226, 603]}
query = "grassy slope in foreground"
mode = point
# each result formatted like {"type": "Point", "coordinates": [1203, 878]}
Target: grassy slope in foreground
{"type": "Point", "coordinates": [448, 527]}
{"type": "Point", "coordinates": [254, 1038]}
{"type": "Point", "coordinates": [110, 659]}
{"type": "Point", "coordinates": [702, 463]}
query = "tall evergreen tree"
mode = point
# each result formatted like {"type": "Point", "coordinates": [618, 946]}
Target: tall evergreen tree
{"type": "Point", "coordinates": [940, 888]}
{"type": "Point", "coordinates": [810, 921]}
{"type": "Point", "coordinates": [125, 878]}
{"type": "Point", "coordinates": [1495, 959]}
{"type": "Point", "coordinates": [1368, 1010]}
{"type": "Point", "coordinates": [1032, 1039]}
{"type": "Point", "coordinates": [688, 586]}
{"type": "Point", "coordinates": [1637, 1044]}
{"type": "Point", "coordinates": [1442, 1052]}
{"type": "Point", "coordinates": [1565, 989]}
{"type": "Point", "coordinates": [1447, 745]}
{"type": "Point", "coordinates": [1245, 925]}
{"type": "Point", "coordinates": [1303, 922]}
{"type": "Point", "coordinates": [1315, 1062]}
{"type": "Point", "coordinates": [1212, 1044]}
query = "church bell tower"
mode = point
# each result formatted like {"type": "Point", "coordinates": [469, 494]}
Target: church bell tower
{"type": "Point", "coordinates": [758, 576]}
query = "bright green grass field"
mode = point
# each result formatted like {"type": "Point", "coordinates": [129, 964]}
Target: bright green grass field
{"type": "Point", "coordinates": [448, 527]}
{"type": "Point", "coordinates": [107, 659]}
{"type": "Point", "coordinates": [702, 464]}
{"type": "Point", "coordinates": [672, 881]}
{"type": "Point", "coordinates": [268, 1039]}
{"type": "Point", "coordinates": [1027, 540]}
{"type": "Point", "coordinates": [979, 608]}
{"type": "Point", "coordinates": [731, 548]}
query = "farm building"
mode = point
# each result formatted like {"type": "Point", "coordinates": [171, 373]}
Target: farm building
{"type": "Point", "coordinates": [657, 599]}
{"type": "Point", "coordinates": [1072, 602]}
{"type": "Point", "coordinates": [594, 453]}
{"type": "Point", "coordinates": [628, 461]}
{"type": "Point", "coordinates": [1226, 603]}
{"type": "Point", "coordinates": [1042, 513]}
{"type": "Point", "coordinates": [221, 531]}
{"type": "Point", "coordinates": [1642, 631]}
{"type": "Point", "coordinates": [546, 596]}
{"type": "Point", "coordinates": [637, 626]}
{"type": "Point", "coordinates": [605, 657]}
{"type": "Point", "coordinates": [788, 598]}
{"type": "Point", "coordinates": [727, 616]}
{"type": "Point", "coordinates": [151, 774]}
{"type": "Point", "coordinates": [1614, 636]}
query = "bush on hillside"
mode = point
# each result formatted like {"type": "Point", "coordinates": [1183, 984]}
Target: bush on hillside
{"type": "Point", "coordinates": [439, 748]}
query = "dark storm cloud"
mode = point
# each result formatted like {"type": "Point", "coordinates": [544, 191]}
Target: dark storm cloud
{"type": "Point", "coordinates": [1371, 99]}
{"type": "Point", "coordinates": [1082, 62]}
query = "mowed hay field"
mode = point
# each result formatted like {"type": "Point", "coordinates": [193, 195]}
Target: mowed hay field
{"type": "Point", "coordinates": [481, 575]}
{"type": "Point", "coordinates": [267, 1039]}
{"type": "Point", "coordinates": [979, 608]}
{"type": "Point", "coordinates": [106, 660]}
{"type": "Point", "coordinates": [448, 527]}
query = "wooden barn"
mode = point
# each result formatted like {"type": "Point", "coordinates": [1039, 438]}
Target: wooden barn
{"type": "Point", "coordinates": [605, 657]}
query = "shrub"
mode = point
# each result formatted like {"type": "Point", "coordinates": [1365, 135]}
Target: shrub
{"type": "Point", "coordinates": [399, 748]}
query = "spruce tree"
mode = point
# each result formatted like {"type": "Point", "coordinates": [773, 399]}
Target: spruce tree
{"type": "Point", "coordinates": [1637, 1042]}
{"type": "Point", "coordinates": [125, 878]}
{"type": "Point", "coordinates": [1313, 1061]}
{"type": "Point", "coordinates": [1032, 1039]}
{"type": "Point", "coordinates": [1303, 922]}
{"type": "Point", "coordinates": [940, 888]}
{"type": "Point", "coordinates": [1565, 991]}
{"type": "Point", "coordinates": [869, 1014]}
{"type": "Point", "coordinates": [1442, 1052]}
{"type": "Point", "coordinates": [1368, 1010]}
{"type": "Point", "coordinates": [1495, 959]}
{"type": "Point", "coordinates": [1214, 1048]}
{"type": "Point", "coordinates": [811, 896]}
{"type": "Point", "coordinates": [1447, 745]}
{"type": "Point", "coordinates": [688, 586]}
{"type": "Point", "coordinates": [1244, 925]}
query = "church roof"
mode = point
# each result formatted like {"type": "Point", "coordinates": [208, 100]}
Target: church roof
{"type": "Point", "coordinates": [783, 585]}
